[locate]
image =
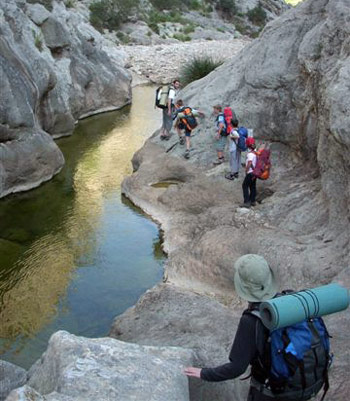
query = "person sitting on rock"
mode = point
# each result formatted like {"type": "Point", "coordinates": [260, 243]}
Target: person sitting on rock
{"type": "Point", "coordinates": [254, 282]}
{"type": "Point", "coordinates": [221, 138]}
{"type": "Point", "coordinates": [186, 121]}
{"type": "Point", "coordinates": [235, 152]}
{"type": "Point", "coordinates": [168, 112]}
{"type": "Point", "coordinates": [249, 183]}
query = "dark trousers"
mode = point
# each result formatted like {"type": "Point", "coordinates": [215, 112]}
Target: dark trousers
{"type": "Point", "coordinates": [255, 395]}
{"type": "Point", "coordinates": [249, 188]}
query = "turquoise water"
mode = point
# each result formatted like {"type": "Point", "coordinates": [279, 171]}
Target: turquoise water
{"type": "Point", "coordinates": [74, 253]}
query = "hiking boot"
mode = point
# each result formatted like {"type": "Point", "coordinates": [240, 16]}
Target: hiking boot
{"type": "Point", "coordinates": [235, 175]}
{"type": "Point", "coordinates": [187, 154]}
{"type": "Point", "coordinates": [253, 203]}
{"type": "Point", "coordinates": [218, 161]}
{"type": "Point", "coordinates": [182, 141]}
{"type": "Point", "coordinates": [230, 176]}
{"type": "Point", "coordinates": [245, 204]}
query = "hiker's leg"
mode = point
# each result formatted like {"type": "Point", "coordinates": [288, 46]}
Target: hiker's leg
{"type": "Point", "coordinates": [168, 122]}
{"type": "Point", "coordinates": [245, 187]}
{"type": "Point", "coordinates": [253, 189]}
{"type": "Point", "coordinates": [188, 141]}
{"type": "Point", "coordinates": [237, 162]}
{"type": "Point", "coordinates": [232, 161]}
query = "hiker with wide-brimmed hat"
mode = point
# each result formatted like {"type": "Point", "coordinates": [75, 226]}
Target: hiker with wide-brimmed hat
{"type": "Point", "coordinates": [255, 282]}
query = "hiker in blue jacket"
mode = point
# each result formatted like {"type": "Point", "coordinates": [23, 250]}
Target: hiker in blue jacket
{"type": "Point", "coordinates": [255, 282]}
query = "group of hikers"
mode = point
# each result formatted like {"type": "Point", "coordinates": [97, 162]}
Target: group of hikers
{"type": "Point", "coordinates": [289, 364]}
{"type": "Point", "coordinates": [184, 119]}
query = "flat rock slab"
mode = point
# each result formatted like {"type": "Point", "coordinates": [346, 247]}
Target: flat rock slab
{"type": "Point", "coordinates": [86, 369]}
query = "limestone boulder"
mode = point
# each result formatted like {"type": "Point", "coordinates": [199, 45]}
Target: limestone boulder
{"type": "Point", "coordinates": [77, 368]}
{"type": "Point", "coordinates": [53, 71]}
{"type": "Point", "coordinates": [11, 376]}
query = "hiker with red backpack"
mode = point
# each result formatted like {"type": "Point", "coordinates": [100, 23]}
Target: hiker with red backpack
{"type": "Point", "coordinates": [287, 364]}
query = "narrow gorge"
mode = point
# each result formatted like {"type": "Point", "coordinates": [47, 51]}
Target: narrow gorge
{"type": "Point", "coordinates": [290, 85]}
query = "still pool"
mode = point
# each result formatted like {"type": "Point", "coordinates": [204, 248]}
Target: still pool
{"type": "Point", "coordinates": [74, 253]}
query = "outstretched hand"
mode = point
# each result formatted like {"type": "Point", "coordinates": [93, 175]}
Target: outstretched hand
{"type": "Point", "coordinates": [193, 372]}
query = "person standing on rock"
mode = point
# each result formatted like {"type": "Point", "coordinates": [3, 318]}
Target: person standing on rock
{"type": "Point", "coordinates": [249, 183]}
{"type": "Point", "coordinates": [235, 152]}
{"type": "Point", "coordinates": [186, 121]}
{"type": "Point", "coordinates": [168, 111]}
{"type": "Point", "coordinates": [254, 282]}
{"type": "Point", "coordinates": [220, 137]}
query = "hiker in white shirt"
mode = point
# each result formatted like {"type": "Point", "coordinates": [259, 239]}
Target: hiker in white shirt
{"type": "Point", "coordinates": [168, 112]}
{"type": "Point", "coordinates": [235, 152]}
{"type": "Point", "coordinates": [249, 183]}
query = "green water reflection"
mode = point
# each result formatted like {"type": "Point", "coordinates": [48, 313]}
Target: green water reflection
{"type": "Point", "coordinates": [73, 254]}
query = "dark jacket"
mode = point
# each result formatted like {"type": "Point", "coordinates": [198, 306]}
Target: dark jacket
{"type": "Point", "coordinates": [248, 344]}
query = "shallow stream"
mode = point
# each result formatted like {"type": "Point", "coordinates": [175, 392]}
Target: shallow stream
{"type": "Point", "coordinates": [73, 253]}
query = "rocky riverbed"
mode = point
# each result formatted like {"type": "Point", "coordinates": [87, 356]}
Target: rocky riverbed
{"type": "Point", "coordinates": [162, 63]}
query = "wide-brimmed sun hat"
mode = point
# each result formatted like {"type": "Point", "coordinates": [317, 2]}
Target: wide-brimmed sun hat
{"type": "Point", "coordinates": [254, 280]}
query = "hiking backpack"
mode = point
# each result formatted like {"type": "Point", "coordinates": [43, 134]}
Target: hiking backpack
{"type": "Point", "coordinates": [228, 116]}
{"type": "Point", "coordinates": [263, 164]}
{"type": "Point", "coordinates": [224, 131]}
{"type": "Point", "coordinates": [188, 119]}
{"type": "Point", "coordinates": [162, 96]}
{"type": "Point", "coordinates": [295, 360]}
{"type": "Point", "coordinates": [243, 135]}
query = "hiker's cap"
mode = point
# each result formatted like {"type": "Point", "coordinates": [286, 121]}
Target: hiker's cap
{"type": "Point", "coordinates": [254, 280]}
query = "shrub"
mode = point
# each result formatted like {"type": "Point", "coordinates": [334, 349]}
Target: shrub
{"type": "Point", "coordinates": [110, 14]}
{"type": "Point", "coordinates": [257, 15]}
{"type": "Point", "coordinates": [198, 68]}
{"type": "Point", "coordinates": [227, 7]}
{"type": "Point", "coordinates": [189, 29]}
{"type": "Point", "coordinates": [194, 5]}
{"type": "Point", "coordinates": [182, 37]}
{"type": "Point", "coordinates": [69, 3]}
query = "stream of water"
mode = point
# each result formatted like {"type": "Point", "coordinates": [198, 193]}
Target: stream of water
{"type": "Point", "coordinates": [73, 253]}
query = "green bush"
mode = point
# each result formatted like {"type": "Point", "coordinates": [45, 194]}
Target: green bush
{"type": "Point", "coordinates": [110, 14]}
{"type": "Point", "coordinates": [155, 18]}
{"type": "Point", "coordinates": [257, 15]}
{"type": "Point", "coordinates": [182, 37]}
{"type": "Point", "coordinates": [198, 68]}
{"type": "Point", "coordinates": [69, 3]}
{"type": "Point", "coordinates": [189, 29]}
{"type": "Point", "coordinates": [227, 7]}
{"type": "Point", "coordinates": [194, 5]}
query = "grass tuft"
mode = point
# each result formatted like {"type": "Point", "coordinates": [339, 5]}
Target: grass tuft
{"type": "Point", "coordinates": [198, 68]}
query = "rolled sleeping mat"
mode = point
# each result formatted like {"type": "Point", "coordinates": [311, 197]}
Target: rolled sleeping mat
{"type": "Point", "coordinates": [294, 308]}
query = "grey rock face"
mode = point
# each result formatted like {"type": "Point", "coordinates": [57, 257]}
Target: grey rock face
{"type": "Point", "coordinates": [11, 376]}
{"type": "Point", "coordinates": [53, 71]}
{"type": "Point", "coordinates": [77, 368]}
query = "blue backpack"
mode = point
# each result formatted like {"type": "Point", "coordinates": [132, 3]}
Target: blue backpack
{"type": "Point", "coordinates": [243, 135]}
{"type": "Point", "coordinates": [296, 360]}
